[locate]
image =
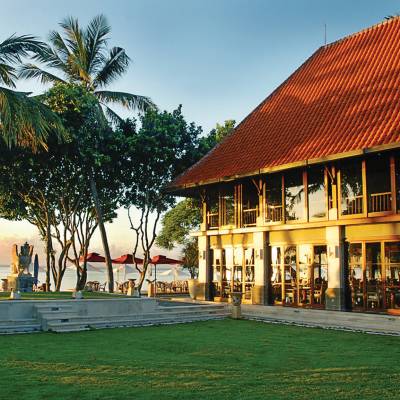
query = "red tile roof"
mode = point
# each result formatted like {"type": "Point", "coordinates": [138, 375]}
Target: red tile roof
{"type": "Point", "coordinates": [345, 97]}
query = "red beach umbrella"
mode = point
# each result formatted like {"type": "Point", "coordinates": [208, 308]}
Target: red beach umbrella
{"type": "Point", "coordinates": [127, 259]}
{"type": "Point", "coordinates": [160, 259]}
{"type": "Point", "coordinates": [93, 257]}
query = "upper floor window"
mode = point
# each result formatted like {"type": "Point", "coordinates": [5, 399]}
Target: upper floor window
{"type": "Point", "coordinates": [249, 203]}
{"type": "Point", "coordinates": [378, 183]}
{"type": "Point", "coordinates": [273, 194]}
{"type": "Point", "coordinates": [294, 196]}
{"type": "Point", "coordinates": [317, 200]}
{"type": "Point", "coordinates": [351, 187]}
{"type": "Point", "coordinates": [228, 206]}
{"type": "Point", "coordinates": [213, 210]}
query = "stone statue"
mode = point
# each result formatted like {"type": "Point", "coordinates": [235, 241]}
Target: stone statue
{"type": "Point", "coordinates": [20, 262]}
{"type": "Point", "coordinates": [20, 279]}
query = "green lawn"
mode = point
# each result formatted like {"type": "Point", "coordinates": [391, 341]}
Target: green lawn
{"type": "Point", "coordinates": [56, 295]}
{"type": "Point", "coordinates": [207, 360]}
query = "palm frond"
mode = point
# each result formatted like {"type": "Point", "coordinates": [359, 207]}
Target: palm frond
{"type": "Point", "coordinates": [24, 121]}
{"type": "Point", "coordinates": [15, 47]}
{"type": "Point", "coordinates": [114, 66]}
{"type": "Point", "coordinates": [60, 48]}
{"type": "Point", "coordinates": [7, 75]}
{"type": "Point", "coordinates": [96, 40]}
{"type": "Point", "coordinates": [75, 39]}
{"type": "Point", "coordinates": [111, 114]}
{"type": "Point", "coordinates": [29, 71]}
{"type": "Point", "coordinates": [128, 100]}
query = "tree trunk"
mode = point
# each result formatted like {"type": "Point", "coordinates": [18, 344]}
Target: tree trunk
{"type": "Point", "coordinates": [99, 214]}
{"type": "Point", "coordinates": [49, 249]}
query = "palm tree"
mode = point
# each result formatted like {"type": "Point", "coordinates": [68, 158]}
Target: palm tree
{"type": "Point", "coordinates": [81, 56]}
{"type": "Point", "coordinates": [23, 119]}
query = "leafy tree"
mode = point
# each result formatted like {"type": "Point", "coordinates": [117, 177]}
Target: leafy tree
{"type": "Point", "coordinates": [23, 119]}
{"type": "Point", "coordinates": [176, 225]}
{"type": "Point", "coordinates": [186, 215]}
{"type": "Point", "coordinates": [163, 147]}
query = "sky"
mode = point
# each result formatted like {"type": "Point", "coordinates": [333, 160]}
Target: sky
{"type": "Point", "coordinates": [218, 58]}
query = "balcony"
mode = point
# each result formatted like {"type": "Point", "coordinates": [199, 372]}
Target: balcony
{"type": "Point", "coordinates": [274, 213]}
{"type": "Point", "coordinates": [380, 202]}
{"type": "Point", "coordinates": [353, 205]}
{"type": "Point", "coordinates": [213, 220]}
{"type": "Point", "coordinates": [250, 216]}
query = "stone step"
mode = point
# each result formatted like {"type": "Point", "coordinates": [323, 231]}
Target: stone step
{"type": "Point", "coordinates": [101, 324]}
{"type": "Point", "coordinates": [192, 308]}
{"type": "Point", "coordinates": [19, 322]}
{"type": "Point", "coordinates": [14, 327]}
{"type": "Point", "coordinates": [334, 323]}
{"type": "Point", "coordinates": [73, 317]}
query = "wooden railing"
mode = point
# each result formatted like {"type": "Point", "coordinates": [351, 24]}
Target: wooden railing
{"type": "Point", "coordinates": [212, 220]}
{"type": "Point", "coordinates": [380, 202]}
{"type": "Point", "coordinates": [354, 205]}
{"type": "Point", "coordinates": [274, 213]}
{"type": "Point", "coordinates": [250, 216]}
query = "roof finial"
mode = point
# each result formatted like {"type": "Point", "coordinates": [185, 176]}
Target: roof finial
{"type": "Point", "coordinates": [325, 34]}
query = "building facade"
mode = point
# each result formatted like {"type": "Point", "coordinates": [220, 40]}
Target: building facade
{"type": "Point", "coordinates": [301, 203]}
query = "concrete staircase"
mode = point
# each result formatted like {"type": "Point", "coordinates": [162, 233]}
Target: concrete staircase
{"type": "Point", "coordinates": [348, 321]}
{"type": "Point", "coordinates": [61, 318]}
{"type": "Point", "coordinates": [20, 326]}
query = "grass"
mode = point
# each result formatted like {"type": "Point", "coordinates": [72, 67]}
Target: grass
{"type": "Point", "coordinates": [206, 360]}
{"type": "Point", "coordinates": [57, 295]}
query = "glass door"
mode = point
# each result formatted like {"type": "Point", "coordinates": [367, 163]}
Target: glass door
{"type": "Point", "coordinates": [216, 257]}
{"type": "Point", "coordinates": [320, 276]}
{"type": "Point", "coordinates": [356, 276]}
{"type": "Point", "coordinates": [226, 273]}
{"type": "Point", "coordinates": [305, 275]}
{"type": "Point", "coordinates": [373, 277]}
{"type": "Point", "coordinates": [276, 276]}
{"type": "Point", "coordinates": [249, 273]}
{"type": "Point", "coordinates": [238, 270]}
{"type": "Point", "coordinates": [392, 271]}
{"type": "Point", "coordinates": [290, 276]}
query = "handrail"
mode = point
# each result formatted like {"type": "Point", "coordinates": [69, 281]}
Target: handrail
{"type": "Point", "coordinates": [213, 220]}
{"type": "Point", "coordinates": [274, 213]}
{"type": "Point", "coordinates": [250, 216]}
{"type": "Point", "coordinates": [380, 202]}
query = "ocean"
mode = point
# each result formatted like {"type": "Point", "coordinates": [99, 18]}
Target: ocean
{"type": "Point", "coordinates": [97, 272]}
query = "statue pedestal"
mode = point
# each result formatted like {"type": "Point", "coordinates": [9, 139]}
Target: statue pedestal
{"type": "Point", "coordinates": [23, 283]}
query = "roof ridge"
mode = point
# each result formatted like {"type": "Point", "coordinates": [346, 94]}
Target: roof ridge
{"type": "Point", "coordinates": [362, 31]}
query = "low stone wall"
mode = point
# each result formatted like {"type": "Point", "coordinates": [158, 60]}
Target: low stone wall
{"type": "Point", "coordinates": [14, 310]}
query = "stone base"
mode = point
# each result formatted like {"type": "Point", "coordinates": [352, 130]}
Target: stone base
{"type": "Point", "coordinates": [204, 292]}
{"type": "Point", "coordinates": [237, 312]}
{"type": "Point", "coordinates": [335, 299]}
{"type": "Point", "coordinates": [259, 295]}
{"type": "Point", "coordinates": [23, 283]}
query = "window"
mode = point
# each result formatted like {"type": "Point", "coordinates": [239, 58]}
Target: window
{"type": "Point", "coordinates": [290, 274]}
{"type": "Point", "coordinates": [378, 184]}
{"type": "Point", "coordinates": [228, 207]}
{"type": "Point", "coordinates": [316, 193]}
{"type": "Point", "coordinates": [212, 210]}
{"type": "Point", "coordinates": [249, 204]}
{"type": "Point", "coordinates": [356, 275]}
{"type": "Point", "coordinates": [276, 276]}
{"type": "Point", "coordinates": [294, 196]}
{"type": "Point", "coordinates": [392, 272]}
{"type": "Point", "coordinates": [351, 187]}
{"type": "Point", "coordinates": [273, 194]}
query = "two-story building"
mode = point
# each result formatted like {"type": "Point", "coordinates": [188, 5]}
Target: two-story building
{"type": "Point", "coordinates": [301, 203]}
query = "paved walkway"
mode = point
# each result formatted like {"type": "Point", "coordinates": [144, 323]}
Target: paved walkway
{"type": "Point", "coordinates": [349, 321]}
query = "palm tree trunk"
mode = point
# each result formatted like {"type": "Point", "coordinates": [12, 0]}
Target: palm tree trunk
{"type": "Point", "coordinates": [103, 233]}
